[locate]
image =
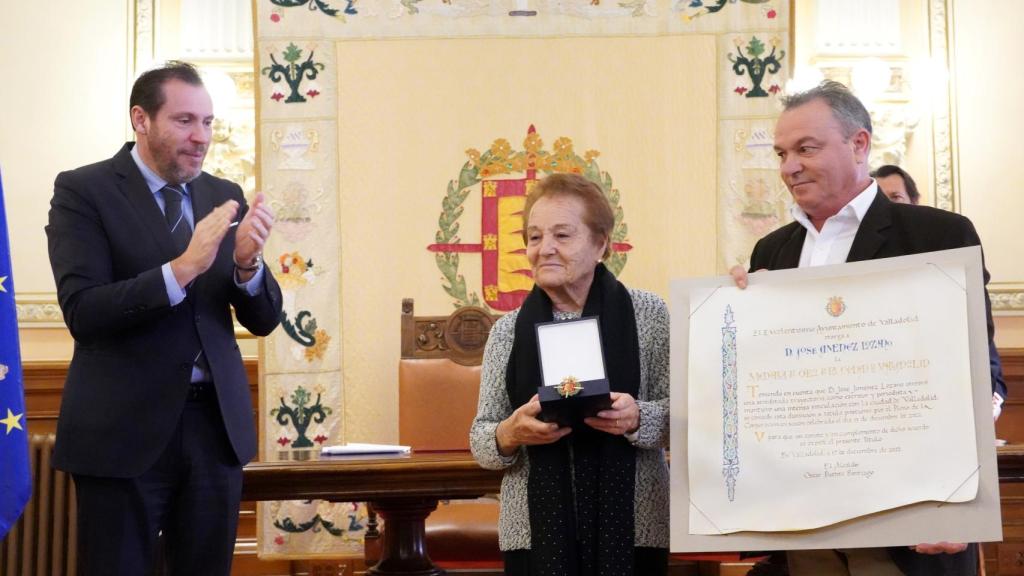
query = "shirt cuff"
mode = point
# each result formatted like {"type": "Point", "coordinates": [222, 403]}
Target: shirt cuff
{"type": "Point", "coordinates": [175, 293]}
{"type": "Point", "coordinates": [254, 287]}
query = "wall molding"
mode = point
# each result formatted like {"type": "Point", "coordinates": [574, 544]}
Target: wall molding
{"type": "Point", "coordinates": [1007, 299]}
{"type": "Point", "coordinates": [943, 142]}
{"type": "Point", "coordinates": [40, 310]}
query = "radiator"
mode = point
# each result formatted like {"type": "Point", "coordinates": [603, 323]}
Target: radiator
{"type": "Point", "coordinates": [43, 540]}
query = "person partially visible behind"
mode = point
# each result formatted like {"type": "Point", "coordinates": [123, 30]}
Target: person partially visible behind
{"type": "Point", "coordinates": [900, 187]}
{"type": "Point", "coordinates": [594, 499]}
{"type": "Point", "coordinates": [896, 184]}
{"type": "Point", "coordinates": [150, 256]}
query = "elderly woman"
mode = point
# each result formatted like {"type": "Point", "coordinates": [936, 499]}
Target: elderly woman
{"type": "Point", "coordinates": [591, 499]}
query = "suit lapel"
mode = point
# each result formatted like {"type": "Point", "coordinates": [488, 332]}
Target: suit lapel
{"type": "Point", "coordinates": [789, 253]}
{"type": "Point", "coordinates": [133, 186]}
{"type": "Point", "coordinates": [870, 239]}
{"type": "Point", "coordinates": [202, 199]}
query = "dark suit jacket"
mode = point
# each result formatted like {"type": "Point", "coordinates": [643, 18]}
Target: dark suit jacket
{"type": "Point", "coordinates": [890, 229]}
{"type": "Point", "coordinates": [129, 376]}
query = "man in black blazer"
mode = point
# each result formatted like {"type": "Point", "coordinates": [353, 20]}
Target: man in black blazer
{"type": "Point", "coordinates": [822, 139]}
{"type": "Point", "coordinates": [150, 255]}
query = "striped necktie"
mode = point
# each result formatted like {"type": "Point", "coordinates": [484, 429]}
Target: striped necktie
{"type": "Point", "coordinates": [181, 232]}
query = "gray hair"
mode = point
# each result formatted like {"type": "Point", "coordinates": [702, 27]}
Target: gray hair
{"type": "Point", "coordinates": [848, 110]}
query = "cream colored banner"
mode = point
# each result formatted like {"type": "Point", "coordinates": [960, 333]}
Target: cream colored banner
{"type": "Point", "coordinates": [642, 103]}
{"type": "Point", "coordinates": [396, 165]}
{"type": "Point", "coordinates": [376, 19]}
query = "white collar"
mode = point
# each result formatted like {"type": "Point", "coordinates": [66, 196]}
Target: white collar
{"type": "Point", "coordinates": [855, 208]}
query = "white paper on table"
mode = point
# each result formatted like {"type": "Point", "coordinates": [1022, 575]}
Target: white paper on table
{"type": "Point", "coordinates": [570, 348]}
{"type": "Point", "coordinates": [358, 448]}
{"type": "Point", "coordinates": [758, 480]}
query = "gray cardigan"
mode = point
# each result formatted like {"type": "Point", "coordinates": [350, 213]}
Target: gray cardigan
{"type": "Point", "coordinates": [651, 499]}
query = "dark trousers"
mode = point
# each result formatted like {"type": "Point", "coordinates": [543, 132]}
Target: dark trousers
{"type": "Point", "coordinates": [190, 495]}
{"type": "Point", "coordinates": [646, 562]}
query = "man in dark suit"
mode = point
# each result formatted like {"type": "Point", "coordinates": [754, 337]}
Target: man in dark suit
{"type": "Point", "coordinates": [156, 419]}
{"type": "Point", "coordinates": [822, 139]}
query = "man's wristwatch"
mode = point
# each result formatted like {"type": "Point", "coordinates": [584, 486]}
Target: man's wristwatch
{"type": "Point", "coordinates": [254, 265]}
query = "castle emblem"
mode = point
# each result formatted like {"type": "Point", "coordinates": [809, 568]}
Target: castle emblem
{"type": "Point", "coordinates": [507, 277]}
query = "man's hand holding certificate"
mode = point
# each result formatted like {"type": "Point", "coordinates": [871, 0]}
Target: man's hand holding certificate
{"type": "Point", "coordinates": [824, 395]}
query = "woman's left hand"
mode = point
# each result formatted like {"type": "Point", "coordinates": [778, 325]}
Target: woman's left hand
{"type": "Point", "coordinates": [623, 417]}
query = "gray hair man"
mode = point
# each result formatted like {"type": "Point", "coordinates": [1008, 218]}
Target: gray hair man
{"type": "Point", "coordinates": [822, 139]}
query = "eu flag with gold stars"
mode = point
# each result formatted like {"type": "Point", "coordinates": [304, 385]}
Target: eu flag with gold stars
{"type": "Point", "coordinates": [15, 481]}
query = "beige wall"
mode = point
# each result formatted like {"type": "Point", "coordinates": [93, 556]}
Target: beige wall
{"type": "Point", "coordinates": [987, 171]}
{"type": "Point", "coordinates": [914, 29]}
{"type": "Point", "coordinates": [66, 72]}
{"type": "Point", "coordinates": [987, 124]}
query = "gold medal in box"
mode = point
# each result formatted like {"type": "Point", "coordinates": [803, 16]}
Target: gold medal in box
{"type": "Point", "coordinates": [574, 382]}
{"type": "Point", "coordinates": [570, 386]}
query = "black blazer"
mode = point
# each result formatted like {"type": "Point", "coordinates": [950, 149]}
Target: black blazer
{"type": "Point", "coordinates": [129, 375]}
{"type": "Point", "coordinates": [890, 229]}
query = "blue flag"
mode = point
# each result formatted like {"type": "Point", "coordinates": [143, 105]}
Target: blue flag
{"type": "Point", "coordinates": [15, 480]}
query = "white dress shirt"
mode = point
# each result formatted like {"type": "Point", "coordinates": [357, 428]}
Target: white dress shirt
{"type": "Point", "coordinates": [832, 244]}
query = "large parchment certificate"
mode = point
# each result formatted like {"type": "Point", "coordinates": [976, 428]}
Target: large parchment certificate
{"type": "Point", "coordinates": [827, 396]}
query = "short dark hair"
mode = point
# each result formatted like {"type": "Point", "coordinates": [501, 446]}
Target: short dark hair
{"type": "Point", "coordinates": [847, 108]}
{"type": "Point", "coordinates": [148, 90]}
{"type": "Point", "coordinates": [597, 211]}
{"type": "Point", "coordinates": [908, 181]}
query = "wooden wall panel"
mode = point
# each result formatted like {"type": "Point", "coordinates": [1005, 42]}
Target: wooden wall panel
{"type": "Point", "coordinates": [1010, 426]}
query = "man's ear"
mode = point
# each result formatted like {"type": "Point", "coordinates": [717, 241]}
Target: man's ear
{"type": "Point", "coordinates": [140, 120]}
{"type": "Point", "coordinates": [861, 145]}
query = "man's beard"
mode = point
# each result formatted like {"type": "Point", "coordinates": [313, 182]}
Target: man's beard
{"type": "Point", "coordinates": [168, 156]}
{"type": "Point", "coordinates": [180, 174]}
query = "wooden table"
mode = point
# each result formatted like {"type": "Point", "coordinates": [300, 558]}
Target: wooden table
{"type": "Point", "coordinates": [404, 490]}
{"type": "Point", "coordinates": [1010, 460]}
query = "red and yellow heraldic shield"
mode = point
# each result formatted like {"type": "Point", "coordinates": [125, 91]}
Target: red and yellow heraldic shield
{"type": "Point", "coordinates": [506, 273]}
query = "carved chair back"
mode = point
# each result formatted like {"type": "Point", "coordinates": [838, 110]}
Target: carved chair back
{"type": "Point", "coordinates": [439, 376]}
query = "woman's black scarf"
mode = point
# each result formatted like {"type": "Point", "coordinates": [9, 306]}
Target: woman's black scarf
{"type": "Point", "coordinates": [587, 530]}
